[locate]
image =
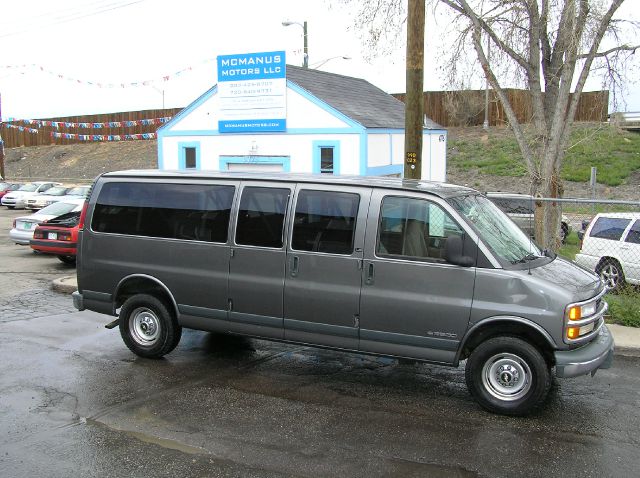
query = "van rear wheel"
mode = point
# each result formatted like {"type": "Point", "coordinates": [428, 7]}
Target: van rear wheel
{"type": "Point", "coordinates": [148, 327]}
{"type": "Point", "coordinates": [507, 375]}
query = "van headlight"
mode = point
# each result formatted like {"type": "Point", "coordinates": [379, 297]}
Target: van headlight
{"type": "Point", "coordinates": [579, 312]}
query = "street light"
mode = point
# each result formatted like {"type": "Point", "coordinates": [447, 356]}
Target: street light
{"type": "Point", "coordinates": [305, 62]}
{"type": "Point", "coordinates": [315, 66]}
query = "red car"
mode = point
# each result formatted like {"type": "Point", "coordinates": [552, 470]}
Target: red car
{"type": "Point", "coordinates": [58, 236]}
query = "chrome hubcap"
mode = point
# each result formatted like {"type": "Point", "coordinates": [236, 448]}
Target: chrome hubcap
{"type": "Point", "coordinates": [506, 377]}
{"type": "Point", "coordinates": [144, 326]}
{"type": "Point", "coordinates": [610, 276]}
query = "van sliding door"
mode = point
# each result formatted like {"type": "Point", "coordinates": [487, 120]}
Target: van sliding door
{"type": "Point", "coordinates": [324, 266]}
{"type": "Point", "coordinates": [257, 264]}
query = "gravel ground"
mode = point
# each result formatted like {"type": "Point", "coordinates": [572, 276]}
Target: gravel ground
{"type": "Point", "coordinates": [83, 162]}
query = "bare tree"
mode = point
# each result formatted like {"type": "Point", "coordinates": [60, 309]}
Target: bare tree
{"type": "Point", "coordinates": [551, 47]}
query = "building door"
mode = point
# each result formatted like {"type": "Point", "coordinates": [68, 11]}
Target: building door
{"type": "Point", "coordinates": [257, 264]}
{"type": "Point", "coordinates": [413, 302]}
{"type": "Point", "coordinates": [324, 266]}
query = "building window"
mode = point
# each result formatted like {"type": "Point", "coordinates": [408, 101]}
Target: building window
{"type": "Point", "coordinates": [190, 158]}
{"type": "Point", "coordinates": [326, 160]}
{"type": "Point", "coordinates": [326, 157]}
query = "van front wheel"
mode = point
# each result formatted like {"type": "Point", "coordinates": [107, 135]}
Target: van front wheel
{"type": "Point", "coordinates": [508, 375]}
{"type": "Point", "coordinates": [148, 327]}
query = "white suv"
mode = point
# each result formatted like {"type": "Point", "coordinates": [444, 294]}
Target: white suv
{"type": "Point", "coordinates": [611, 247]}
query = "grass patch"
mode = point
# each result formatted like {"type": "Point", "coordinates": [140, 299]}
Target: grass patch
{"type": "Point", "coordinates": [571, 247]}
{"type": "Point", "coordinates": [624, 307]}
{"type": "Point", "coordinates": [614, 152]}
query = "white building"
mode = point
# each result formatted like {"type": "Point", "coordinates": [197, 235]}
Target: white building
{"type": "Point", "coordinates": [334, 124]}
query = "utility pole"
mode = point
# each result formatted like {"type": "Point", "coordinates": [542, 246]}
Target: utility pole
{"type": "Point", "coordinates": [1, 144]}
{"type": "Point", "coordinates": [414, 101]}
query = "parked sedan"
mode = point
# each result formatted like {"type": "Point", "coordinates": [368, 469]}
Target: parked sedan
{"type": "Point", "coordinates": [521, 209]}
{"type": "Point", "coordinates": [59, 237]}
{"type": "Point", "coordinates": [52, 195]}
{"type": "Point", "coordinates": [24, 226]}
{"type": "Point", "coordinates": [18, 199]}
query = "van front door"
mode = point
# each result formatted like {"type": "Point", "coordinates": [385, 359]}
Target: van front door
{"type": "Point", "coordinates": [257, 264]}
{"type": "Point", "coordinates": [413, 302]}
{"type": "Point", "coordinates": [324, 266]}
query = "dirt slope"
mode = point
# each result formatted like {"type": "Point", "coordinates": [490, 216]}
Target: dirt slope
{"type": "Point", "coordinates": [79, 163]}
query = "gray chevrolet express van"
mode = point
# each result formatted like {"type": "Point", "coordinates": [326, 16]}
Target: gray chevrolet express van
{"type": "Point", "coordinates": [426, 271]}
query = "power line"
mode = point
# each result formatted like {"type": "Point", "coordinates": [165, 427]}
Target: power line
{"type": "Point", "coordinates": [76, 16]}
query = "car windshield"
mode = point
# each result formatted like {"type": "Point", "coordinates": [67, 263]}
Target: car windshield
{"type": "Point", "coordinates": [78, 191]}
{"type": "Point", "coordinates": [56, 191]}
{"type": "Point", "coordinates": [4, 186]}
{"type": "Point", "coordinates": [58, 208]}
{"type": "Point", "coordinates": [28, 188]}
{"type": "Point", "coordinates": [496, 229]}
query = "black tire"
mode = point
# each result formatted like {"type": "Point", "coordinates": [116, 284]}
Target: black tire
{"type": "Point", "coordinates": [564, 232]}
{"type": "Point", "coordinates": [148, 326]}
{"type": "Point", "coordinates": [508, 375]}
{"type": "Point", "coordinates": [611, 274]}
{"type": "Point", "coordinates": [67, 259]}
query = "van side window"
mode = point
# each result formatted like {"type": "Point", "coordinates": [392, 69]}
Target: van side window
{"type": "Point", "coordinates": [609, 228]}
{"type": "Point", "coordinates": [414, 228]}
{"type": "Point", "coordinates": [174, 211]}
{"type": "Point", "coordinates": [261, 217]}
{"type": "Point", "coordinates": [325, 222]}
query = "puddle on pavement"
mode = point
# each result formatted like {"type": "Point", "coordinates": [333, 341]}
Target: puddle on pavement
{"type": "Point", "coordinates": [162, 442]}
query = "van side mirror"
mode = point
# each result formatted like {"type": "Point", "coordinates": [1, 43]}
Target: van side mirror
{"type": "Point", "coordinates": [453, 252]}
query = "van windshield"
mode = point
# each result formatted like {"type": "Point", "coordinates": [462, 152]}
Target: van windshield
{"type": "Point", "coordinates": [498, 232]}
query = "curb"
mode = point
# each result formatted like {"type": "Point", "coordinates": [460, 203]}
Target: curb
{"type": "Point", "coordinates": [65, 285]}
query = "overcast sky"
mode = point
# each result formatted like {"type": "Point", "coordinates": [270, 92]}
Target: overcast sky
{"type": "Point", "coordinates": [131, 41]}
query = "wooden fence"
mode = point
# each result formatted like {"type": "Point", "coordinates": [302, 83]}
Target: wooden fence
{"type": "Point", "coordinates": [466, 108]}
{"type": "Point", "coordinates": [14, 137]}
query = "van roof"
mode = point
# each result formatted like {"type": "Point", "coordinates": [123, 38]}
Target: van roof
{"type": "Point", "coordinates": [444, 190]}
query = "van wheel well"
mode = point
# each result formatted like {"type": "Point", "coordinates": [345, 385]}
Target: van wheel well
{"type": "Point", "coordinates": [510, 329]}
{"type": "Point", "coordinates": [142, 285]}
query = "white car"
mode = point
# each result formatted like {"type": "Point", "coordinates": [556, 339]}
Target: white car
{"type": "Point", "coordinates": [55, 194]}
{"type": "Point", "coordinates": [24, 226]}
{"type": "Point", "coordinates": [18, 199]}
{"type": "Point", "coordinates": [611, 248]}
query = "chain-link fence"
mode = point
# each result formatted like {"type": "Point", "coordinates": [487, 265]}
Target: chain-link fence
{"type": "Point", "coordinates": [600, 235]}
{"type": "Point", "coordinates": [603, 236]}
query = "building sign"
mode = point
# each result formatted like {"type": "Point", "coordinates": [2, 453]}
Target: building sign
{"type": "Point", "coordinates": [252, 90]}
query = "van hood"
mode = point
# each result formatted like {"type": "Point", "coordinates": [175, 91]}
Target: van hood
{"type": "Point", "coordinates": [580, 283]}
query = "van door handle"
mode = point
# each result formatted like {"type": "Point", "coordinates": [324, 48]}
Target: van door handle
{"type": "Point", "coordinates": [369, 279]}
{"type": "Point", "coordinates": [294, 266]}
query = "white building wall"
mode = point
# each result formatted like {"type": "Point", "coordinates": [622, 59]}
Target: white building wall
{"type": "Point", "coordinates": [298, 147]}
{"type": "Point", "coordinates": [378, 150]}
{"type": "Point", "coordinates": [301, 113]}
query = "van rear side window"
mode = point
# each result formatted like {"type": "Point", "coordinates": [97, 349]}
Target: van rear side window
{"type": "Point", "coordinates": [173, 211]}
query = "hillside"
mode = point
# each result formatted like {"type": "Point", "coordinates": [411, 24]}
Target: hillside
{"type": "Point", "coordinates": [481, 160]}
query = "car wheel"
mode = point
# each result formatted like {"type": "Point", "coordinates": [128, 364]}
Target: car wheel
{"type": "Point", "coordinates": [507, 375]}
{"type": "Point", "coordinates": [611, 274]}
{"type": "Point", "coordinates": [148, 327]}
{"type": "Point", "coordinates": [67, 259]}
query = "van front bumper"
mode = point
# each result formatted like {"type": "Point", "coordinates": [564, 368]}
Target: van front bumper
{"type": "Point", "coordinates": [586, 359]}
